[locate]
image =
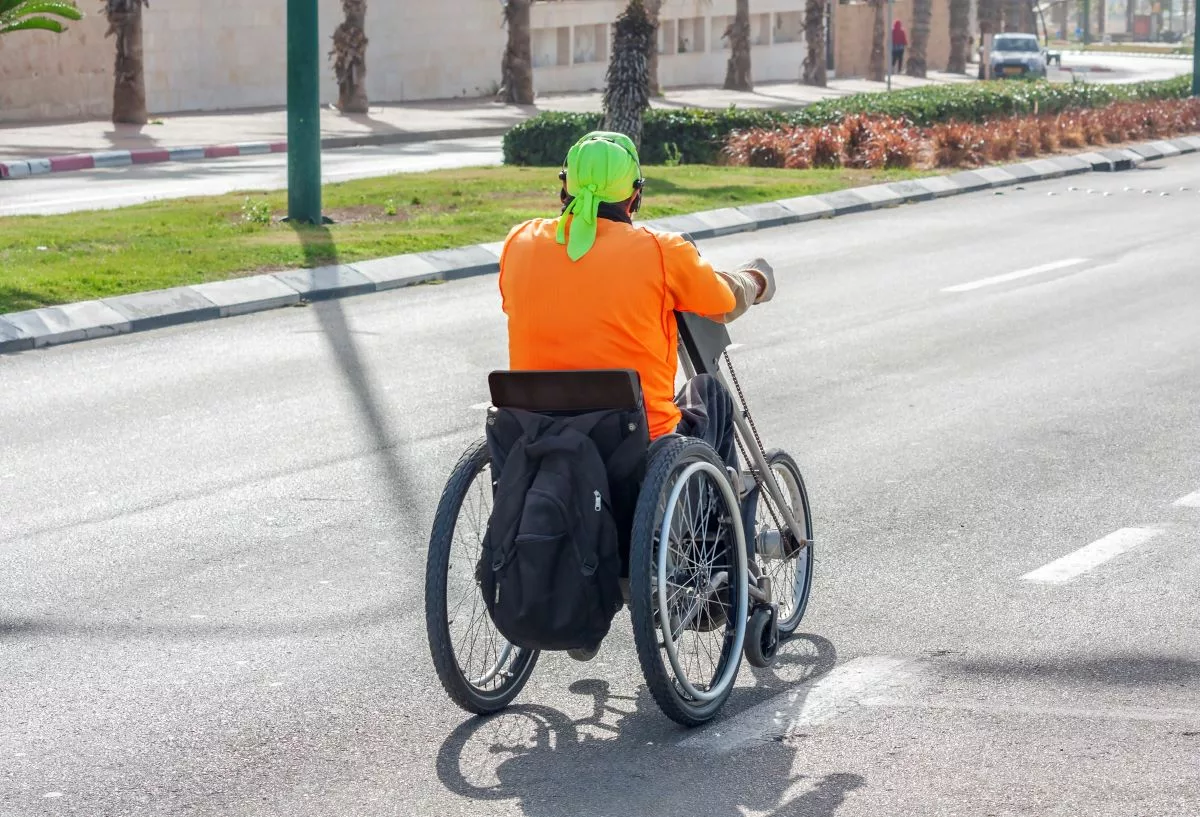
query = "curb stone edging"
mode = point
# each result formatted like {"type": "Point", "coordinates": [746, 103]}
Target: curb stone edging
{"type": "Point", "coordinates": [21, 169]}
{"type": "Point", "coordinates": [53, 325]}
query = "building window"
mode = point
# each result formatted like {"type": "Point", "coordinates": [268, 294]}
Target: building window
{"type": "Point", "coordinates": [691, 36]}
{"type": "Point", "coordinates": [789, 27]}
{"type": "Point", "coordinates": [591, 43]}
{"type": "Point", "coordinates": [760, 29]}
{"type": "Point", "coordinates": [668, 40]}
{"type": "Point", "coordinates": [720, 32]}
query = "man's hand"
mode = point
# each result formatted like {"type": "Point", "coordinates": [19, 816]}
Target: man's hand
{"type": "Point", "coordinates": [764, 275]}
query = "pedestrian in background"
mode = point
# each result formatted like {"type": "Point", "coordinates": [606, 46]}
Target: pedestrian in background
{"type": "Point", "coordinates": [899, 42]}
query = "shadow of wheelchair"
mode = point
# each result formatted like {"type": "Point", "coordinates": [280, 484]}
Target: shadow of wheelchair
{"type": "Point", "coordinates": [622, 759]}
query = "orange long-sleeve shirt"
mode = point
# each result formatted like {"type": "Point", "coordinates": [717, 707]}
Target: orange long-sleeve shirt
{"type": "Point", "coordinates": [612, 309]}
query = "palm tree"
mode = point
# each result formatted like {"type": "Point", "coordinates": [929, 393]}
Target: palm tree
{"type": "Point", "coordinates": [960, 28]}
{"type": "Point", "coordinates": [737, 72]}
{"type": "Point", "coordinates": [814, 36]}
{"type": "Point", "coordinates": [129, 81]}
{"type": "Point", "coordinates": [516, 69]}
{"type": "Point", "coordinates": [627, 90]}
{"type": "Point", "coordinates": [1016, 16]}
{"type": "Point", "coordinates": [350, 57]}
{"type": "Point", "coordinates": [922, 14]}
{"type": "Point", "coordinates": [28, 15]}
{"type": "Point", "coordinates": [653, 8]}
{"type": "Point", "coordinates": [876, 68]}
{"type": "Point", "coordinates": [989, 23]}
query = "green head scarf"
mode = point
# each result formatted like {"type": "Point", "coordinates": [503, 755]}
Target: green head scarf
{"type": "Point", "coordinates": [601, 167]}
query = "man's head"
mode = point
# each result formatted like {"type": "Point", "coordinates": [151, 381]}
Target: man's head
{"type": "Point", "coordinates": [600, 168]}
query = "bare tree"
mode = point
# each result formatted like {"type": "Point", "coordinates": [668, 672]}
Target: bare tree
{"type": "Point", "coordinates": [876, 69]}
{"type": "Point", "coordinates": [516, 68]}
{"type": "Point", "coordinates": [627, 90]}
{"type": "Point", "coordinates": [350, 57]}
{"type": "Point", "coordinates": [922, 15]}
{"type": "Point", "coordinates": [737, 72]}
{"type": "Point", "coordinates": [129, 80]}
{"type": "Point", "coordinates": [814, 36]}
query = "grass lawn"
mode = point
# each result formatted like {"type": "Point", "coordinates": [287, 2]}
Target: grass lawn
{"type": "Point", "coordinates": [57, 259]}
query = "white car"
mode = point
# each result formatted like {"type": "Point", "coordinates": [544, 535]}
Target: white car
{"type": "Point", "coordinates": [1017, 55]}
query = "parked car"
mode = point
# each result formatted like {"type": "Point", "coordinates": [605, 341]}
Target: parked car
{"type": "Point", "coordinates": [1017, 55]}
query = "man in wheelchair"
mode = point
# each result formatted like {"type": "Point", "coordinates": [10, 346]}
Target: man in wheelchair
{"type": "Point", "coordinates": [590, 290]}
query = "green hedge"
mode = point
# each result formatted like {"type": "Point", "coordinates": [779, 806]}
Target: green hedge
{"type": "Point", "coordinates": [696, 136]}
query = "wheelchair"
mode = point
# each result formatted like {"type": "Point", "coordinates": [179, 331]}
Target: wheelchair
{"type": "Point", "coordinates": [717, 565]}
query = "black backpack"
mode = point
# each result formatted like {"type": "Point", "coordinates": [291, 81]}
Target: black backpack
{"type": "Point", "coordinates": [551, 563]}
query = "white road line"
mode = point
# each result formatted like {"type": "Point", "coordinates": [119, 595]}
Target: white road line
{"type": "Point", "coordinates": [809, 704]}
{"type": "Point", "coordinates": [1013, 276]}
{"type": "Point", "coordinates": [1097, 553]}
{"type": "Point", "coordinates": [1189, 501]}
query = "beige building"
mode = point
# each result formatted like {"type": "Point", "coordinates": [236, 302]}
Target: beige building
{"type": "Point", "coordinates": [230, 54]}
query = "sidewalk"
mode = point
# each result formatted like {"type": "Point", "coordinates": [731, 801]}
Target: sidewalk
{"type": "Point", "coordinates": [265, 130]}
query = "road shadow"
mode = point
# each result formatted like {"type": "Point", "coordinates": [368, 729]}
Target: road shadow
{"type": "Point", "coordinates": [1110, 669]}
{"type": "Point", "coordinates": [320, 248]}
{"type": "Point", "coordinates": [624, 759]}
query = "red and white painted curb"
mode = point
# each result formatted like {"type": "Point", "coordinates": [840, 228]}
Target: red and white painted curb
{"type": "Point", "coordinates": [124, 158]}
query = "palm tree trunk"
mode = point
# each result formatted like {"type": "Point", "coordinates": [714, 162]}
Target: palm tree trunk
{"type": "Point", "coordinates": [653, 8]}
{"type": "Point", "coordinates": [516, 69]}
{"type": "Point", "coordinates": [876, 68]}
{"type": "Point", "coordinates": [922, 15]}
{"type": "Point", "coordinates": [960, 25]}
{"type": "Point", "coordinates": [1012, 15]}
{"type": "Point", "coordinates": [129, 80]}
{"type": "Point", "coordinates": [350, 57]}
{"type": "Point", "coordinates": [1102, 17]}
{"type": "Point", "coordinates": [989, 23]}
{"type": "Point", "coordinates": [627, 90]}
{"type": "Point", "coordinates": [814, 35]}
{"type": "Point", "coordinates": [737, 72]}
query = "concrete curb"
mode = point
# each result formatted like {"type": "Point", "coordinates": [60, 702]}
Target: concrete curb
{"type": "Point", "coordinates": [124, 158]}
{"type": "Point", "coordinates": [21, 331]}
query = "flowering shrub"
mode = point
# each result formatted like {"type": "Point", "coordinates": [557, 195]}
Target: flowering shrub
{"type": "Point", "coordinates": [881, 141]}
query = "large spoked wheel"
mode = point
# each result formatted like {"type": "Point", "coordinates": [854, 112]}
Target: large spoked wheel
{"type": "Point", "coordinates": [688, 580]}
{"type": "Point", "coordinates": [789, 567]}
{"type": "Point", "coordinates": [479, 669]}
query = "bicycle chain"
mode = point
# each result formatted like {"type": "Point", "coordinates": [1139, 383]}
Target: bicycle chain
{"type": "Point", "coordinates": [758, 478]}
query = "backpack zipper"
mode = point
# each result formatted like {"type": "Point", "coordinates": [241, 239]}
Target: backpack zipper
{"type": "Point", "coordinates": [598, 501]}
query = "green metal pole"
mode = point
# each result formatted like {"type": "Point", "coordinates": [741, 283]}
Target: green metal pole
{"type": "Point", "coordinates": [304, 112]}
{"type": "Point", "coordinates": [1196, 52]}
{"type": "Point", "coordinates": [1087, 22]}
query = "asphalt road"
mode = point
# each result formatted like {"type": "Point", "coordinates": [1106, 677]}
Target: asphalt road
{"type": "Point", "coordinates": [211, 545]}
{"type": "Point", "coordinates": [121, 187]}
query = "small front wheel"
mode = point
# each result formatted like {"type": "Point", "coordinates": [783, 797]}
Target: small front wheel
{"type": "Point", "coordinates": [479, 669]}
{"type": "Point", "coordinates": [762, 637]}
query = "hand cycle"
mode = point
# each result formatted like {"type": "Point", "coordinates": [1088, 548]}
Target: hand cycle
{"type": "Point", "coordinates": [720, 564]}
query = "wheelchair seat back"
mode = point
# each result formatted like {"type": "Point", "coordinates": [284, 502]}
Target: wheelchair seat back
{"type": "Point", "coordinates": [613, 397]}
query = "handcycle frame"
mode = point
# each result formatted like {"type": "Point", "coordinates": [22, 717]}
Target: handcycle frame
{"type": "Point", "coordinates": [702, 344]}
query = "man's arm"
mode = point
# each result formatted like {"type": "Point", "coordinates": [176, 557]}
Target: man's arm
{"type": "Point", "coordinates": [699, 288]}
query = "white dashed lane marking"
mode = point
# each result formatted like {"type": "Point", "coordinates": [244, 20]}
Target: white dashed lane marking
{"type": "Point", "coordinates": [1013, 276]}
{"type": "Point", "coordinates": [1190, 501]}
{"type": "Point", "coordinates": [1087, 557]}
